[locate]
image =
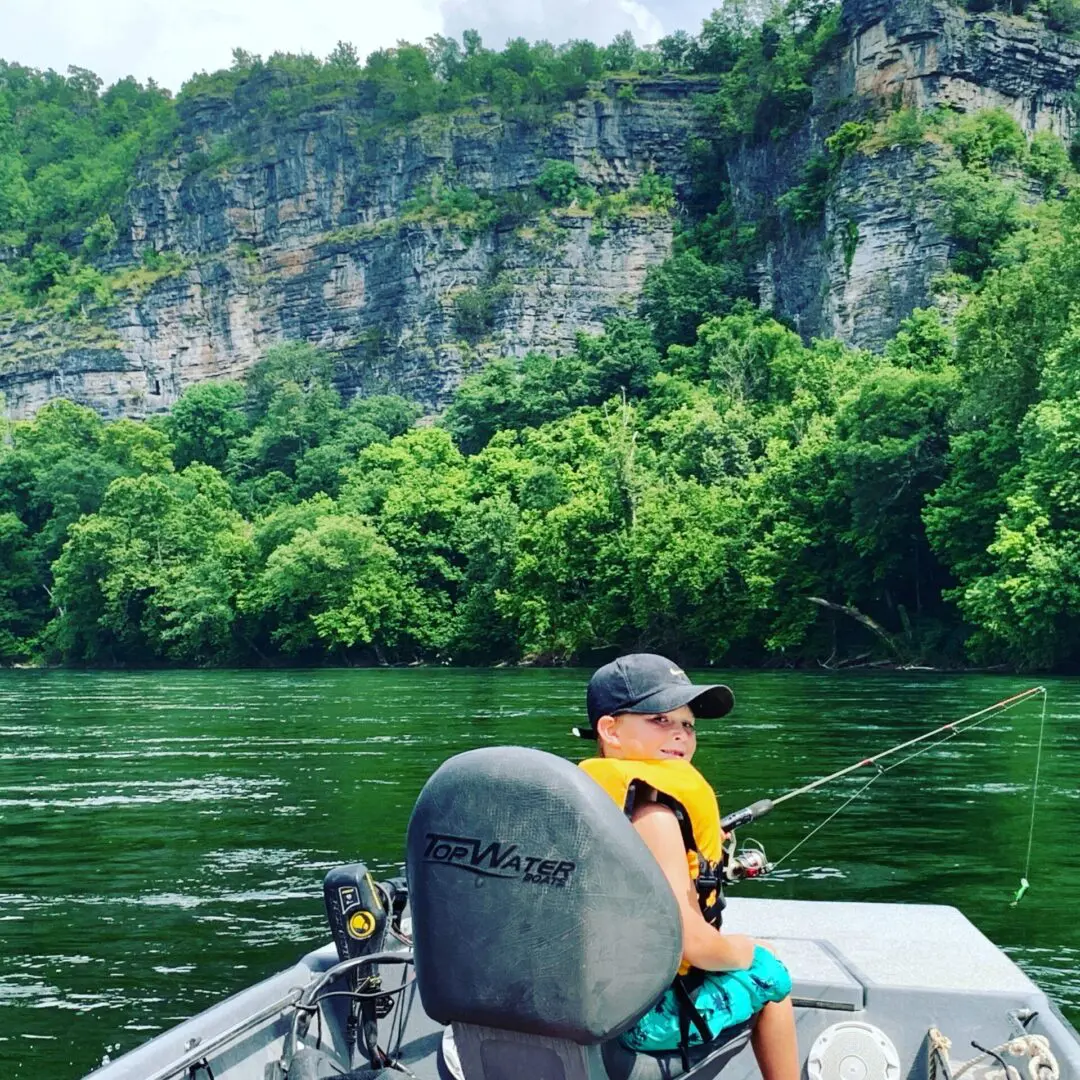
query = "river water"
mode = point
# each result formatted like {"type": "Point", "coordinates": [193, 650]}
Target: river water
{"type": "Point", "coordinates": [163, 836]}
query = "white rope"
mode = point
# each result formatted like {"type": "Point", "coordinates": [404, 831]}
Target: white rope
{"type": "Point", "coordinates": [1042, 1064]}
{"type": "Point", "coordinates": [940, 1045]}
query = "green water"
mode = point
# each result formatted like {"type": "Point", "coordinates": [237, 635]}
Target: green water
{"type": "Point", "coordinates": [163, 836]}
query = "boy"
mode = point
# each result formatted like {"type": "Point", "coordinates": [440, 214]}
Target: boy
{"type": "Point", "coordinates": [642, 712]}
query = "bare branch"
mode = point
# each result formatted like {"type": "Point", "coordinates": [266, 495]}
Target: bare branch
{"type": "Point", "coordinates": [859, 617]}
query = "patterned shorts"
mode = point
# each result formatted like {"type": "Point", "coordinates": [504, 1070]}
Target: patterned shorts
{"type": "Point", "coordinates": [724, 999]}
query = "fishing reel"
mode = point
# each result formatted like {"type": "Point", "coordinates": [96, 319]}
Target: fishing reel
{"type": "Point", "coordinates": [747, 862]}
{"type": "Point", "coordinates": [740, 864]}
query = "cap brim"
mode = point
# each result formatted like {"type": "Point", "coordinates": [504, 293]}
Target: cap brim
{"type": "Point", "coordinates": [706, 702]}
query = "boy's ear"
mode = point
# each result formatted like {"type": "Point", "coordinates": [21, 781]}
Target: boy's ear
{"type": "Point", "coordinates": [607, 730]}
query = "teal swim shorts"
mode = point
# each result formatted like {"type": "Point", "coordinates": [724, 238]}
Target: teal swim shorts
{"type": "Point", "coordinates": [724, 999]}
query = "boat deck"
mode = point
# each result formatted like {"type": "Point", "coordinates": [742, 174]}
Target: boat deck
{"type": "Point", "coordinates": [903, 968]}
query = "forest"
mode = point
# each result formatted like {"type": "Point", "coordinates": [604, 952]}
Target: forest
{"type": "Point", "coordinates": [696, 479]}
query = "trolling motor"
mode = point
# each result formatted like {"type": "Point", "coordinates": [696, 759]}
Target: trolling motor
{"type": "Point", "coordinates": [748, 862]}
{"type": "Point", "coordinates": [359, 911]}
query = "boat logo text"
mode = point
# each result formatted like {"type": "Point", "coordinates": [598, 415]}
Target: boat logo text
{"type": "Point", "coordinates": [496, 858]}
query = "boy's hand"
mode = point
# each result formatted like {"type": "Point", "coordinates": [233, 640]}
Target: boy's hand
{"type": "Point", "coordinates": [703, 945]}
{"type": "Point", "coordinates": [741, 949]}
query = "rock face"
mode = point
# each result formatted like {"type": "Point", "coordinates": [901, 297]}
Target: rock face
{"type": "Point", "coordinates": [315, 232]}
{"type": "Point", "coordinates": [932, 53]}
{"type": "Point", "coordinates": [874, 257]}
{"type": "Point", "coordinates": [318, 236]}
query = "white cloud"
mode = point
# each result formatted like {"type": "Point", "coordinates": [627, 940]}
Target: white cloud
{"type": "Point", "coordinates": [554, 20]}
{"type": "Point", "coordinates": [169, 40]}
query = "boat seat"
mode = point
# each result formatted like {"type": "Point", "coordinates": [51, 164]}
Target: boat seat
{"type": "Point", "coordinates": [542, 926]}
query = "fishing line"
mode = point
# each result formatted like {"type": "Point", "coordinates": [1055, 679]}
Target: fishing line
{"type": "Point", "coordinates": [818, 828]}
{"type": "Point", "coordinates": [1002, 706]}
{"type": "Point", "coordinates": [882, 770]}
{"type": "Point", "coordinates": [946, 732]}
{"type": "Point", "coordinates": [1024, 884]}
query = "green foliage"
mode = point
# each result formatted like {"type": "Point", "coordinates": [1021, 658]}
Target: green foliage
{"type": "Point", "coordinates": [988, 138]}
{"type": "Point", "coordinates": [906, 128]}
{"type": "Point", "coordinates": [67, 155]}
{"type": "Point", "coordinates": [806, 201]}
{"type": "Point", "coordinates": [508, 396]}
{"type": "Point", "coordinates": [206, 422]}
{"type": "Point", "coordinates": [559, 183]}
{"type": "Point", "coordinates": [684, 481]}
{"type": "Point", "coordinates": [101, 237]}
{"type": "Point", "coordinates": [850, 240]}
{"type": "Point", "coordinates": [468, 211]}
{"type": "Point", "coordinates": [414, 490]}
{"type": "Point", "coordinates": [654, 191]}
{"type": "Point", "coordinates": [1048, 159]}
{"type": "Point", "coordinates": [682, 292]}
{"type": "Point", "coordinates": [299, 435]}
{"type": "Point", "coordinates": [847, 138]}
{"type": "Point", "coordinates": [613, 497]}
{"type": "Point", "coordinates": [334, 584]}
{"type": "Point", "coordinates": [154, 574]}
{"type": "Point", "coordinates": [983, 209]}
{"type": "Point", "coordinates": [475, 309]}
{"type": "Point", "coordinates": [1060, 15]}
{"type": "Point", "coordinates": [980, 212]}
{"type": "Point", "coordinates": [923, 342]}
{"type": "Point", "coordinates": [765, 68]}
{"type": "Point", "coordinates": [1001, 518]}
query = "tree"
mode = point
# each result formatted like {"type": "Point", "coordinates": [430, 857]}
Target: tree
{"type": "Point", "coordinates": [621, 54]}
{"type": "Point", "coordinates": [295, 409]}
{"type": "Point", "coordinates": [332, 586]}
{"type": "Point", "coordinates": [154, 574]}
{"type": "Point", "coordinates": [367, 421]}
{"type": "Point", "coordinates": [675, 50]}
{"type": "Point", "coordinates": [888, 454]}
{"type": "Point", "coordinates": [414, 490]}
{"type": "Point", "coordinates": [681, 293]}
{"type": "Point", "coordinates": [207, 423]}
{"type": "Point", "coordinates": [569, 587]}
{"type": "Point", "coordinates": [21, 592]}
{"type": "Point", "coordinates": [1019, 317]}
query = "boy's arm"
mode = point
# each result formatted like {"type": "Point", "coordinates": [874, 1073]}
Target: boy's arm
{"type": "Point", "coordinates": [703, 945]}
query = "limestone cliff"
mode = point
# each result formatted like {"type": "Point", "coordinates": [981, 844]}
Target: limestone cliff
{"type": "Point", "coordinates": [317, 235]}
{"type": "Point", "coordinates": [876, 253]}
{"type": "Point", "coordinates": [318, 231]}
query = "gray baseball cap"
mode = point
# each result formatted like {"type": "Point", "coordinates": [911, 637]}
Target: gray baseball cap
{"type": "Point", "coordinates": [647, 683]}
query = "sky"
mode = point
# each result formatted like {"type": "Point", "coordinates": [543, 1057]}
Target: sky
{"type": "Point", "coordinates": [169, 40]}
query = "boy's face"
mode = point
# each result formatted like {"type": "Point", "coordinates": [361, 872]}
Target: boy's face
{"type": "Point", "coordinates": [649, 736]}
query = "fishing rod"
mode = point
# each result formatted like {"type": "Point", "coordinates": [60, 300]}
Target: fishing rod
{"type": "Point", "coordinates": [752, 862]}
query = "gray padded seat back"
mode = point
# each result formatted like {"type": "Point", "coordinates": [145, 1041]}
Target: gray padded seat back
{"type": "Point", "coordinates": [536, 906]}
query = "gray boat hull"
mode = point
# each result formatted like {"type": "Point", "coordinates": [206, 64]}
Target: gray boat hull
{"type": "Point", "coordinates": [901, 970]}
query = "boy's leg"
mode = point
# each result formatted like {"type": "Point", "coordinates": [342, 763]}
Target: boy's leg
{"type": "Point", "coordinates": [773, 1040]}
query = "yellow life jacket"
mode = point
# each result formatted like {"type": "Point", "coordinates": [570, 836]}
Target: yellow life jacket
{"type": "Point", "coordinates": [679, 786]}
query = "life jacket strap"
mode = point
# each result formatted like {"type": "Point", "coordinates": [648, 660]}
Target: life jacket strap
{"type": "Point", "coordinates": [710, 880]}
{"type": "Point", "coordinates": [710, 883]}
{"type": "Point", "coordinates": [688, 1014]}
